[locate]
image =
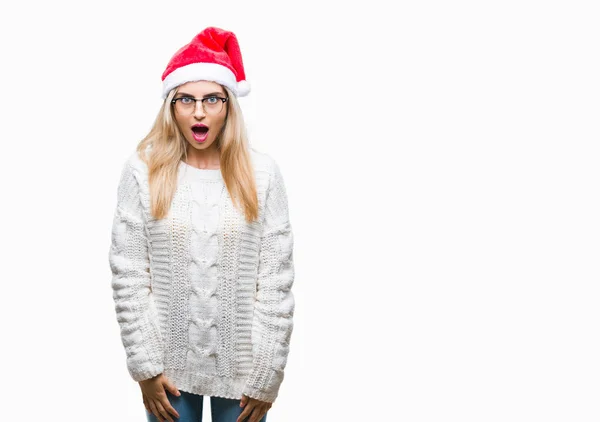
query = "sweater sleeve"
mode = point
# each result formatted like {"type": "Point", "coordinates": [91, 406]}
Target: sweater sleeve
{"type": "Point", "coordinates": [130, 266]}
{"type": "Point", "coordinates": [274, 305]}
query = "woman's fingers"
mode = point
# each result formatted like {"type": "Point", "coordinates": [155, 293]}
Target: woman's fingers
{"type": "Point", "coordinates": [254, 410]}
{"type": "Point", "coordinates": [258, 413]}
{"type": "Point", "coordinates": [169, 386]}
{"type": "Point", "coordinates": [167, 405]}
{"type": "Point", "coordinates": [246, 412]}
{"type": "Point", "coordinates": [163, 412]}
{"type": "Point", "coordinates": [146, 403]}
{"type": "Point", "coordinates": [155, 411]}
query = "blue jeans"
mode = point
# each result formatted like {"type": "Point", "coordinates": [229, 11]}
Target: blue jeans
{"type": "Point", "coordinates": [189, 407]}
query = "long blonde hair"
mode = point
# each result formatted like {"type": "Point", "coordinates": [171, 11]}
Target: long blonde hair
{"type": "Point", "coordinates": [169, 147]}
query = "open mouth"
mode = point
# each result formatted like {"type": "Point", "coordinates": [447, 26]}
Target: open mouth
{"type": "Point", "coordinates": [200, 132]}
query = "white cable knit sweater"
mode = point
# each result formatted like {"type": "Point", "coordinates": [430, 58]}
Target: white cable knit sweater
{"type": "Point", "coordinates": [201, 295]}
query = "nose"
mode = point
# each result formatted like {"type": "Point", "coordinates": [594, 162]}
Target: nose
{"type": "Point", "coordinates": [199, 111]}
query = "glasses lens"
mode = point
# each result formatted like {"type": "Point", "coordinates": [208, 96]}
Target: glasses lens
{"type": "Point", "coordinates": [185, 105]}
{"type": "Point", "coordinates": [213, 105]}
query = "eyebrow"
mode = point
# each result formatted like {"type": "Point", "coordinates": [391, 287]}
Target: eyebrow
{"type": "Point", "coordinates": [205, 95]}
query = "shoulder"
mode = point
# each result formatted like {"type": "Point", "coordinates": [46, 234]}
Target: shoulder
{"type": "Point", "coordinates": [134, 174]}
{"type": "Point", "coordinates": [261, 160]}
{"type": "Point", "coordinates": [264, 162]}
{"type": "Point", "coordinates": [135, 165]}
{"type": "Point", "coordinates": [271, 176]}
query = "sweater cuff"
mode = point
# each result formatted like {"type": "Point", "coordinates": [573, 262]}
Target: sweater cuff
{"type": "Point", "coordinates": [258, 394]}
{"type": "Point", "coordinates": [146, 372]}
{"type": "Point", "coordinates": [270, 392]}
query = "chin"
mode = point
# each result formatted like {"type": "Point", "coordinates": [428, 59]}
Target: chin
{"type": "Point", "coordinates": [202, 145]}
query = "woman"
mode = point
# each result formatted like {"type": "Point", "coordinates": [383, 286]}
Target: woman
{"type": "Point", "coordinates": [201, 250]}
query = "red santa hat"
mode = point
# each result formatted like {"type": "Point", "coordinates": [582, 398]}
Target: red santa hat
{"type": "Point", "coordinates": [212, 55]}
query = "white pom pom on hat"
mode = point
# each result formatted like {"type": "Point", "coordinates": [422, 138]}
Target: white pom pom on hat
{"type": "Point", "coordinates": [243, 88]}
{"type": "Point", "coordinates": [212, 55]}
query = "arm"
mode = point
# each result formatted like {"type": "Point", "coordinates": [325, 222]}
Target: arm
{"type": "Point", "coordinates": [130, 266]}
{"type": "Point", "coordinates": [274, 306]}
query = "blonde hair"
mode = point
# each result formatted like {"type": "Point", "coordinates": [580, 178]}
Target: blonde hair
{"type": "Point", "coordinates": [169, 147]}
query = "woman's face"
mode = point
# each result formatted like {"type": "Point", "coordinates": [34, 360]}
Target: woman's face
{"type": "Point", "coordinates": [200, 124]}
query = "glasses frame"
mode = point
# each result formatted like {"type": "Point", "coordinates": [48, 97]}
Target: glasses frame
{"type": "Point", "coordinates": [223, 99]}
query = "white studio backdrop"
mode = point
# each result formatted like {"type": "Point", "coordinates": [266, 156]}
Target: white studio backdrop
{"type": "Point", "coordinates": [441, 162]}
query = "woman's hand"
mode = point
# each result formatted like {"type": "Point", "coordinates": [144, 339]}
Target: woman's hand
{"type": "Point", "coordinates": [155, 397]}
{"type": "Point", "coordinates": [256, 407]}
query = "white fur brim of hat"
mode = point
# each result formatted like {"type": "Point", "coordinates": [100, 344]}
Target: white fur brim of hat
{"type": "Point", "coordinates": [205, 72]}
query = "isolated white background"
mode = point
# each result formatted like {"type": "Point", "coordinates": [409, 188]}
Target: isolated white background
{"type": "Point", "coordinates": [442, 167]}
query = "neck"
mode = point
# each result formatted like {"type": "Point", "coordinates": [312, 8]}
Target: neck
{"type": "Point", "coordinates": [207, 159]}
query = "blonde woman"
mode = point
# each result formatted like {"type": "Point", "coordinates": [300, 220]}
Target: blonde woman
{"type": "Point", "coordinates": [201, 251]}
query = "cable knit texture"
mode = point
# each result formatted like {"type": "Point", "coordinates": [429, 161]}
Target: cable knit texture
{"type": "Point", "coordinates": [202, 295]}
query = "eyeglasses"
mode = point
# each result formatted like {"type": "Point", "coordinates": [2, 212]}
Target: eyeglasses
{"type": "Point", "coordinates": [210, 105]}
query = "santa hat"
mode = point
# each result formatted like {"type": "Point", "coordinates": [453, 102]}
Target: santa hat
{"type": "Point", "coordinates": [212, 55]}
